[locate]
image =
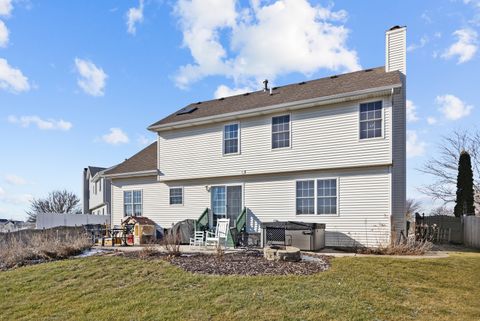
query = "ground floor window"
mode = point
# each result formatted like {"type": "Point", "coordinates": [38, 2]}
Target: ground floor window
{"type": "Point", "coordinates": [316, 196]}
{"type": "Point", "coordinates": [132, 203]}
{"type": "Point", "coordinates": [176, 196]}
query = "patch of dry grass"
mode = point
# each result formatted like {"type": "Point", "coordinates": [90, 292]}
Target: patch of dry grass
{"type": "Point", "coordinates": [408, 247]}
{"type": "Point", "coordinates": [18, 249]}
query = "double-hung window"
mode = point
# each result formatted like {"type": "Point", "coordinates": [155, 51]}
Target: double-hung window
{"type": "Point", "coordinates": [371, 120]}
{"type": "Point", "coordinates": [327, 196]}
{"type": "Point", "coordinates": [281, 131]}
{"type": "Point", "coordinates": [306, 197]}
{"type": "Point", "coordinates": [132, 203]}
{"type": "Point", "coordinates": [176, 196]}
{"type": "Point", "coordinates": [230, 139]}
{"type": "Point", "coordinates": [316, 197]}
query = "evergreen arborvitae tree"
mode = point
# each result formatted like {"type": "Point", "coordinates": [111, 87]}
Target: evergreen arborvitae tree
{"type": "Point", "coordinates": [464, 201]}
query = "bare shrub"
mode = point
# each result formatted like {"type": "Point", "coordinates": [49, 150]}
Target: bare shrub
{"type": "Point", "coordinates": [171, 244]}
{"type": "Point", "coordinates": [17, 249]}
{"type": "Point", "coordinates": [219, 252]}
{"type": "Point", "coordinates": [148, 251]}
{"type": "Point", "coordinates": [408, 246]}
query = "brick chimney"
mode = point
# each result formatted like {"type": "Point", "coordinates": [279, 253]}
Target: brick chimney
{"type": "Point", "coordinates": [396, 49]}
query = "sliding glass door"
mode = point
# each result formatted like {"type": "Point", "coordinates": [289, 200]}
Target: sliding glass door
{"type": "Point", "coordinates": [226, 202]}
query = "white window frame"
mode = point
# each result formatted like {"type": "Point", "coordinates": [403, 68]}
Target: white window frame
{"type": "Point", "coordinates": [383, 120]}
{"type": "Point", "coordinates": [242, 185]}
{"type": "Point", "coordinates": [238, 139]}
{"type": "Point", "coordinates": [315, 211]}
{"type": "Point", "coordinates": [289, 134]}
{"type": "Point", "coordinates": [314, 193]}
{"type": "Point", "coordinates": [133, 203]}
{"type": "Point", "coordinates": [170, 192]}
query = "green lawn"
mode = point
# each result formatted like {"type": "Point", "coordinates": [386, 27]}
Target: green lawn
{"type": "Point", "coordinates": [117, 288]}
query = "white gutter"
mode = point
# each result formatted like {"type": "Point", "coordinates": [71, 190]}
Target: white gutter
{"type": "Point", "coordinates": [354, 95]}
{"type": "Point", "coordinates": [151, 172]}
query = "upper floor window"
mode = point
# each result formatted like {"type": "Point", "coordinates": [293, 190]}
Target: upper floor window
{"type": "Point", "coordinates": [281, 131]}
{"type": "Point", "coordinates": [230, 139]}
{"type": "Point", "coordinates": [100, 184]}
{"type": "Point", "coordinates": [176, 196]}
{"type": "Point", "coordinates": [132, 203]}
{"type": "Point", "coordinates": [371, 120]}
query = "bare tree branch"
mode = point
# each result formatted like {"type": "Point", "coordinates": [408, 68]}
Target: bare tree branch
{"type": "Point", "coordinates": [56, 202]}
{"type": "Point", "coordinates": [444, 166]}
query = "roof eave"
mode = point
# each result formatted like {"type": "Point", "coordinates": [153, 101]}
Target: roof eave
{"type": "Point", "coordinates": [354, 95]}
{"type": "Point", "coordinates": [151, 172]}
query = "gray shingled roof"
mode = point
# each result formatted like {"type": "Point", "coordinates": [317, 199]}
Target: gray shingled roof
{"type": "Point", "coordinates": [144, 160]}
{"type": "Point", "coordinates": [323, 87]}
{"type": "Point", "coordinates": [94, 170]}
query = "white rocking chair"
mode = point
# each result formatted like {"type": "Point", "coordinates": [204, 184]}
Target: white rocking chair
{"type": "Point", "coordinates": [197, 239]}
{"type": "Point", "coordinates": [220, 235]}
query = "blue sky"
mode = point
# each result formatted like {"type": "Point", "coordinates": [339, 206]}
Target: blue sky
{"type": "Point", "coordinates": [81, 80]}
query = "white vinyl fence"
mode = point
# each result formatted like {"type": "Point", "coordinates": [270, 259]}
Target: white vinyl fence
{"type": "Point", "coordinates": [471, 231]}
{"type": "Point", "coordinates": [49, 220]}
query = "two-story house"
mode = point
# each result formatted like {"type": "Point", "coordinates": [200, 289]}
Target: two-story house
{"type": "Point", "coordinates": [96, 191]}
{"type": "Point", "coordinates": [331, 150]}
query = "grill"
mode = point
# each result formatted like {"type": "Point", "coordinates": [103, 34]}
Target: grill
{"type": "Point", "coordinates": [305, 236]}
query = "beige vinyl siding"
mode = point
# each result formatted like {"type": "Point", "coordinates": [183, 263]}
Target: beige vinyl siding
{"type": "Point", "coordinates": [396, 50]}
{"type": "Point", "coordinates": [399, 170]}
{"type": "Point", "coordinates": [358, 222]}
{"type": "Point", "coordinates": [363, 213]}
{"type": "Point", "coordinates": [323, 137]}
{"type": "Point", "coordinates": [97, 199]}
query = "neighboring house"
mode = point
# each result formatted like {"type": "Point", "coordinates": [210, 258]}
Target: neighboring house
{"type": "Point", "coordinates": [96, 191]}
{"type": "Point", "coordinates": [331, 151]}
{"type": "Point", "coordinates": [134, 184]}
{"type": "Point", "coordinates": [7, 226]}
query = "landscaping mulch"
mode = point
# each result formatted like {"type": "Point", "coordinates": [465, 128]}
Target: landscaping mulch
{"type": "Point", "coordinates": [243, 263]}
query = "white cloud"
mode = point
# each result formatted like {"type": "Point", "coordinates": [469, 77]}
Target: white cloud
{"type": "Point", "coordinates": [116, 137]}
{"type": "Point", "coordinates": [15, 180]}
{"type": "Point", "coordinates": [12, 79]}
{"type": "Point", "coordinates": [142, 140]}
{"type": "Point", "coordinates": [6, 8]}
{"type": "Point", "coordinates": [415, 147]}
{"type": "Point", "coordinates": [465, 47]}
{"type": "Point", "coordinates": [16, 199]}
{"type": "Point", "coordinates": [44, 124]}
{"type": "Point", "coordinates": [431, 120]}
{"type": "Point", "coordinates": [411, 111]}
{"type": "Point", "coordinates": [265, 40]}
{"type": "Point", "coordinates": [4, 35]}
{"type": "Point", "coordinates": [92, 78]}
{"type": "Point", "coordinates": [134, 16]}
{"type": "Point", "coordinates": [225, 91]}
{"type": "Point", "coordinates": [425, 17]}
{"type": "Point", "coordinates": [414, 46]}
{"type": "Point", "coordinates": [452, 107]}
